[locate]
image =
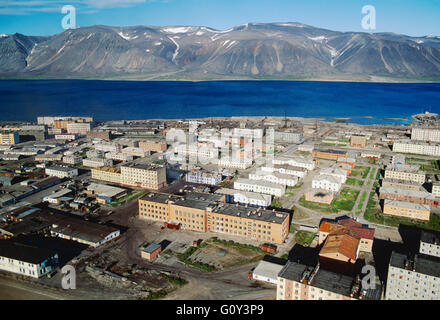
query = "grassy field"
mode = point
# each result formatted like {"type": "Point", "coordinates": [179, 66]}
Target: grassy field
{"type": "Point", "coordinates": [304, 238]}
{"type": "Point", "coordinates": [360, 171]}
{"type": "Point", "coordinates": [355, 182]}
{"type": "Point", "coordinates": [345, 199]}
{"type": "Point", "coordinates": [299, 185]}
{"type": "Point", "coordinates": [361, 203]}
{"type": "Point", "coordinates": [128, 197]}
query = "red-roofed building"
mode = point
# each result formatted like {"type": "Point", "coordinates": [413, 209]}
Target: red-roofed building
{"type": "Point", "coordinates": [365, 234]}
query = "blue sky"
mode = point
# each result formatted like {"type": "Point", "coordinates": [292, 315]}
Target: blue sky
{"type": "Point", "coordinates": [43, 17]}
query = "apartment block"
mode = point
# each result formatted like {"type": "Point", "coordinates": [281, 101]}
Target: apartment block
{"type": "Point", "coordinates": [9, 138]}
{"type": "Point", "coordinates": [413, 277]}
{"type": "Point", "coordinates": [421, 197]}
{"type": "Point", "coordinates": [425, 134]}
{"type": "Point", "coordinates": [108, 174]}
{"type": "Point", "coordinates": [97, 162]}
{"type": "Point", "coordinates": [49, 157]}
{"type": "Point", "coordinates": [429, 243]}
{"type": "Point", "coordinates": [135, 152]}
{"type": "Point", "coordinates": [73, 160]}
{"type": "Point", "coordinates": [153, 146]}
{"type": "Point", "coordinates": [144, 176]}
{"type": "Point", "coordinates": [328, 154]}
{"type": "Point", "coordinates": [407, 210]}
{"type": "Point", "coordinates": [69, 137]}
{"type": "Point", "coordinates": [288, 137]}
{"type": "Point", "coordinates": [246, 198]}
{"type": "Point", "coordinates": [358, 141]}
{"type": "Point", "coordinates": [203, 178]}
{"type": "Point", "coordinates": [204, 212]}
{"type": "Point", "coordinates": [336, 172]}
{"type": "Point", "coordinates": [286, 169]}
{"type": "Point", "coordinates": [302, 162]}
{"type": "Point", "coordinates": [108, 147]}
{"type": "Point", "coordinates": [99, 134]}
{"type": "Point", "coordinates": [265, 187]}
{"type": "Point", "coordinates": [436, 189]}
{"type": "Point", "coordinates": [405, 172]}
{"type": "Point", "coordinates": [118, 156]}
{"type": "Point", "coordinates": [61, 172]}
{"type": "Point", "coordinates": [401, 184]}
{"type": "Point", "coordinates": [234, 163]}
{"type": "Point", "coordinates": [413, 147]}
{"type": "Point", "coordinates": [297, 281]}
{"type": "Point", "coordinates": [79, 128]}
{"type": "Point", "coordinates": [275, 177]}
{"type": "Point", "coordinates": [327, 182]}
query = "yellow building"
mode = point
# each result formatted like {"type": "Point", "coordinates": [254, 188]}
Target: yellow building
{"type": "Point", "coordinates": [108, 174]}
{"type": "Point", "coordinates": [205, 212]}
{"type": "Point", "coordinates": [407, 210]}
{"type": "Point", "coordinates": [9, 138]}
{"type": "Point", "coordinates": [144, 176]}
{"type": "Point", "coordinates": [154, 146]}
{"type": "Point", "coordinates": [358, 141]}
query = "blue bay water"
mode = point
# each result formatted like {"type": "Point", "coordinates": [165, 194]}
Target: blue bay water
{"type": "Point", "coordinates": [136, 100]}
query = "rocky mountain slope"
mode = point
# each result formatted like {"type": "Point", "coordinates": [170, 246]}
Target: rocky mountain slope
{"type": "Point", "coordinates": [251, 51]}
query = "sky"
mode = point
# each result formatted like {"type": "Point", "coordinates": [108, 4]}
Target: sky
{"type": "Point", "coordinates": [44, 17]}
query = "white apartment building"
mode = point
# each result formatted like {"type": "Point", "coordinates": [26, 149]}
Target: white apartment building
{"type": "Point", "coordinates": [108, 147]}
{"type": "Point", "coordinates": [413, 147]}
{"type": "Point", "coordinates": [425, 134]}
{"type": "Point", "coordinates": [136, 152]}
{"type": "Point", "coordinates": [118, 156]}
{"type": "Point", "coordinates": [405, 172]}
{"type": "Point", "coordinates": [275, 177]}
{"type": "Point", "coordinates": [69, 136]}
{"type": "Point", "coordinates": [413, 278]}
{"type": "Point", "coordinates": [273, 189]}
{"type": "Point", "coordinates": [26, 260]}
{"type": "Point", "coordinates": [79, 128]}
{"type": "Point", "coordinates": [327, 182]}
{"type": "Point", "coordinates": [198, 152]}
{"type": "Point", "coordinates": [61, 172]}
{"type": "Point", "coordinates": [248, 133]}
{"type": "Point", "coordinates": [73, 160]}
{"type": "Point", "coordinates": [246, 198]}
{"type": "Point", "coordinates": [289, 137]}
{"type": "Point", "coordinates": [302, 162]}
{"type": "Point", "coordinates": [234, 163]}
{"type": "Point", "coordinates": [286, 169]}
{"type": "Point", "coordinates": [436, 189]}
{"type": "Point", "coordinates": [335, 172]}
{"type": "Point", "coordinates": [97, 162]}
{"type": "Point", "coordinates": [429, 243]}
{"type": "Point", "coordinates": [203, 178]}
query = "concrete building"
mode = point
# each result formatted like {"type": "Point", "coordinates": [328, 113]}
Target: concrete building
{"type": "Point", "coordinates": [401, 184]}
{"type": "Point", "coordinates": [68, 137]}
{"type": "Point", "coordinates": [61, 172]}
{"type": "Point", "coordinates": [288, 137]}
{"type": "Point", "coordinates": [421, 197]}
{"type": "Point", "coordinates": [9, 138]}
{"type": "Point", "coordinates": [151, 251]}
{"type": "Point", "coordinates": [97, 162]}
{"type": "Point", "coordinates": [119, 156]}
{"type": "Point", "coordinates": [99, 134]}
{"type": "Point", "coordinates": [234, 163]}
{"type": "Point", "coordinates": [153, 146]}
{"type": "Point", "coordinates": [79, 128]}
{"type": "Point", "coordinates": [108, 174]}
{"type": "Point", "coordinates": [298, 281]}
{"type": "Point", "coordinates": [336, 172]}
{"type": "Point", "coordinates": [429, 243]}
{"type": "Point", "coordinates": [144, 176]}
{"type": "Point", "coordinates": [135, 152]}
{"type": "Point", "coordinates": [267, 271]}
{"type": "Point", "coordinates": [50, 120]}
{"type": "Point", "coordinates": [358, 141]}
{"type": "Point", "coordinates": [413, 277]}
{"type": "Point", "coordinates": [436, 189]}
{"type": "Point", "coordinates": [286, 169]}
{"type": "Point", "coordinates": [27, 260]}
{"type": "Point", "coordinates": [265, 187]}
{"type": "Point", "coordinates": [246, 198]}
{"type": "Point", "coordinates": [319, 196]}
{"type": "Point", "coordinates": [274, 177]}
{"type": "Point", "coordinates": [204, 212]}
{"type": "Point", "coordinates": [104, 193]}
{"type": "Point", "coordinates": [425, 134]}
{"type": "Point", "coordinates": [72, 160]}
{"type": "Point", "coordinates": [328, 154]}
{"type": "Point", "coordinates": [200, 177]}
{"type": "Point", "coordinates": [365, 234]}
{"type": "Point", "coordinates": [405, 172]}
{"type": "Point", "coordinates": [413, 147]}
{"type": "Point", "coordinates": [108, 147]}
{"type": "Point", "coordinates": [49, 157]}
{"type": "Point", "coordinates": [326, 182]}
{"type": "Point", "coordinates": [302, 162]}
{"type": "Point", "coordinates": [407, 210]}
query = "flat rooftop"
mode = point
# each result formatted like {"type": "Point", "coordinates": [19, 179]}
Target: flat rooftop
{"type": "Point", "coordinates": [23, 252]}
{"type": "Point", "coordinates": [420, 263]}
{"type": "Point", "coordinates": [407, 205]}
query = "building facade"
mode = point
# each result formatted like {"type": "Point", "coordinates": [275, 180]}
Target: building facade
{"type": "Point", "coordinates": [407, 210]}
{"type": "Point", "coordinates": [144, 176]}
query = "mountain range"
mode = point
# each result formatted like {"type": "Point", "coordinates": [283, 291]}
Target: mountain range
{"type": "Point", "coordinates": [250, 51]}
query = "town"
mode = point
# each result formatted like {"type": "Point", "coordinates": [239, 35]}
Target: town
{"type": "Point", "coordinates": [278, 208]}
